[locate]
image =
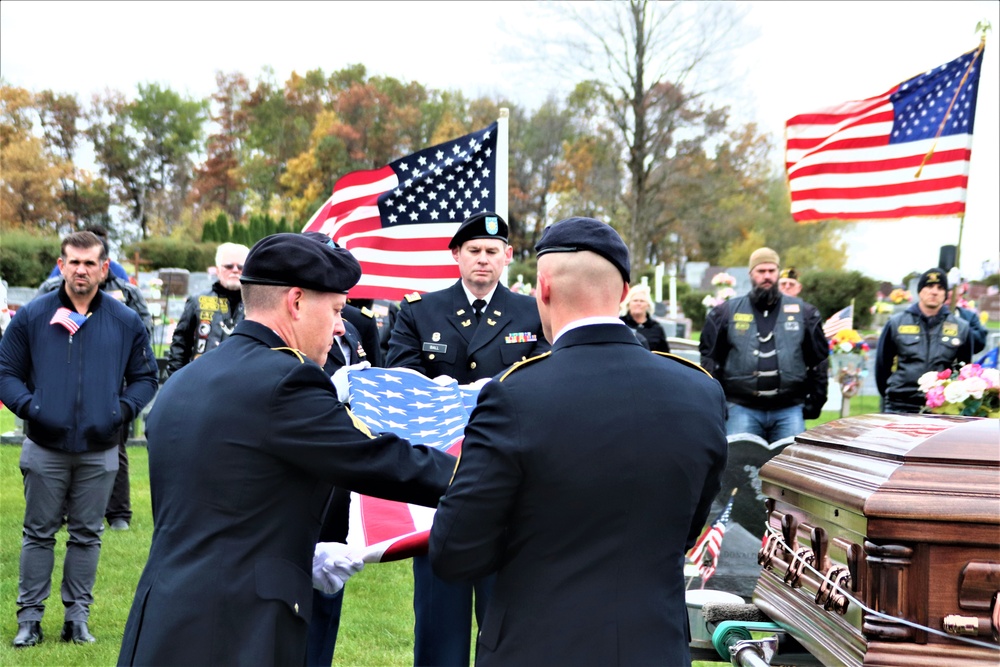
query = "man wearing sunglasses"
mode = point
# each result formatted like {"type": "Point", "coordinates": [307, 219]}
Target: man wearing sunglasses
{"type": "Point", "coordinates": [210, 317]}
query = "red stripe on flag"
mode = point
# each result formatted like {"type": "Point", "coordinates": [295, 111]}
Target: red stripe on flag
{"type": "Point", "coordinates": [384, 519]}
{"type": "Point", "coordinates": [921, 185]}
{"type": "Point", "coordinates": [908, 162]}
{"type": "Point", "coordinates": [953, 208]}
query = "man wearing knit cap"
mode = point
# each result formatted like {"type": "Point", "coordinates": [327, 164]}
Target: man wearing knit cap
{"type": "Point", "coordinates": [760, 346]}
{"type": "Point", "coordinates": [469, 331]}
{"type": "Point", "coordinates": [927, 336]}
{"type": "Point", "coordinates": [245, 444]}
{"type": "Point", "coordinates": [584, 520]}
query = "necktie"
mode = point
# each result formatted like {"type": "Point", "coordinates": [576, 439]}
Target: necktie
{"type": "Point", "coordinates": [478, 306]}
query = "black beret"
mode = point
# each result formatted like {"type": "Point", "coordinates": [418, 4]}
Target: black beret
{"type": "Point", "coordinates": [933, 276]}
{"type": "Point", "coordinates": [296, 260]}
{"type": "Point", "coordinates": [576, 234]}
{"type": "Point", "coordinates": [482, 225]}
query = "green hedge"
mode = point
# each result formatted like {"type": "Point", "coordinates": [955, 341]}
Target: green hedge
{"type": "Point", "coordinates": [830, 291]}
{"type": "Point", "coordinates": [691, 303]}
{"type": "Point", "coordinates": [160, 253]}
{"type": "Point", "coordinates": [26, 259]}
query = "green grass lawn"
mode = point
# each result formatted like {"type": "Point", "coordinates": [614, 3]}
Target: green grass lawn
{"type": "Point", "coordinates": [377, 625]}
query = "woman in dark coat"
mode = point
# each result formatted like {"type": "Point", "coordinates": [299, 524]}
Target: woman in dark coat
{"type": "Point", "coordinates": [637, 313]}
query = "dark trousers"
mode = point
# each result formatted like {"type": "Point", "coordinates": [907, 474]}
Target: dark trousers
{"type": "Point", "coordinates": [323, 628]}
{"type": "Point", "coordinates": [120, 504]}
{"type": "Point", "coordinates": [443, 615]}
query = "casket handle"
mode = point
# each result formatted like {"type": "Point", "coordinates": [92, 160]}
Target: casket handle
{"type": "Point", "coordinates": [819, 546]}
{"type": "Point", "coordinates": [789, 529]}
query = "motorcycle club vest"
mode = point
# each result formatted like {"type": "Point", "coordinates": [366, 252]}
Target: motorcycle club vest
{"type": "Point", "coordinates": [765, 366]}
{"type": "Point", "coordinates": [922, 347]}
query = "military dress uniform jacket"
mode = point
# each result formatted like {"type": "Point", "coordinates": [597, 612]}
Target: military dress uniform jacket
{"type": "Point", "coordinates": [436, 334]}
{"type": "Point", "coordinates": [585, 527]}
{"type": "Point", "coordinates": [240, 471]}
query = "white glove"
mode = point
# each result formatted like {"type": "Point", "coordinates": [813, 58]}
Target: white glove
{"type": "Point", "coordinates": [333, 565]}
{"type": "Point", "coordinates": [444, 380]}
{"type": "Point", "coordinates": [342, 384]}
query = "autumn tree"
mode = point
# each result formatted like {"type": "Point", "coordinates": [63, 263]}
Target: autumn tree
{"type": "Point", "coordinates": [218, 180]}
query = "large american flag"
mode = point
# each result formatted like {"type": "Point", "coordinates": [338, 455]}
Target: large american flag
{"type": "Point", "coordinates": [705, 553]}
{"type": "Point", "coordinates": [840, 320]}
{"type": "Point", "coordinates": [397, 220]}
{"type": "Point", "coordinates": [903, 153]}
{"type": "Point", "coordinates": [423, 411]}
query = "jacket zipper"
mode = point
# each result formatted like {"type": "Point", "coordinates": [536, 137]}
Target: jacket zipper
{"type": "Point", "coordinates": [69, 350]}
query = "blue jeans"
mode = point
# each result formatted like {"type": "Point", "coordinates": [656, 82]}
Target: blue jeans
{"type": "Point", "coordinates": [771, 425]}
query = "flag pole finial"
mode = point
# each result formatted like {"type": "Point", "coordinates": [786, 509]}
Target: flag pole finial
{"type": "Point", "coordinates": [982, 28]}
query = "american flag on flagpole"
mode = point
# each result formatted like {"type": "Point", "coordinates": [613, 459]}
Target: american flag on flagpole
{"type": "Point", "coordinates": [69, 319]}
{"type": "Point", "coordinates": [424, 412]}
{"type": "Point", "coordinates": [903, 153]}
{"type": "Point", "coordinates": [705, 553]}
{"type": "Point", "coordinates": [397, 220]}
{"type": "Point", "coordinates": [840, 320]}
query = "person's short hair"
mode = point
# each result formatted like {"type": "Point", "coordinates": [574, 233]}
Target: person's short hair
{"type": "Point", "coordinates": [226, 247]}
{"type": "Point", "coordinates": [637, 290]}
{"type": "Point", "coordinates": [262, 298]}
{"type": "Point", "coordinates": [83, 241]}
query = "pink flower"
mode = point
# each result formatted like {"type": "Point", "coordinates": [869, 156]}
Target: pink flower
{"type": "Point", "coordinates": [991, 376]}
{"type": "Point", "coordinates": [945, 374]}
{"type": "Point", "coordinates": [935, 397]}
{"type": "Point", "coordinates": [970, 371]}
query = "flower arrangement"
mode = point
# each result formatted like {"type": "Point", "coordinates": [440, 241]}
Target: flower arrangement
{"type": "Point", "coordinates": [723, 279]}
{"type": "Point", "coordinates": [724, 284]}
{"type": "Point", "coordinates": [899, 295]}
{"type": "Point", "coordinates": [848, 341]}
{"type": "Point", "coordinates": [973, 391]}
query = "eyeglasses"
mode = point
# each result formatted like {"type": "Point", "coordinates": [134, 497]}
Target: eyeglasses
{"type": "Point", "coordinates": [230, 267]}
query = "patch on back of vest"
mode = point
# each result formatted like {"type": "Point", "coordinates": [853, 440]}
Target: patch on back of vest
{"type": "Point", "coordinates": [686, 362]}
{"type": "Point", "coordinates": [742, 317]}
{"type": "Point", "coordinates": [791, 308]}
{"type": "Point", "coordinates": [909, 328]}
{"type": "Point", "coordinates": [949, 329]}
{"type": "Point", "coordinates": [523, 362]}
{"type": "Point", "coordinates": [742, 326]}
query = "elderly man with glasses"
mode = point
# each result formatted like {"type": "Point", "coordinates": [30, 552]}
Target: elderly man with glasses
{"type": "Point", "coordinates": [210, 317]}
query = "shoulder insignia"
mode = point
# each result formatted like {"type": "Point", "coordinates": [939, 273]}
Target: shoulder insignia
{"type": "Point", "coordinates": [411, 298]}
{"type": "Point", "coordinates": [523, 362]}
{"type": "Point", "coordinates": [686, 362]}
{"type": "Point", "coordinates": [366, 312]}
{"type": "Point", "coordinates": [358, 424]}
{"type": "Point", "coordinates": [292, 351]}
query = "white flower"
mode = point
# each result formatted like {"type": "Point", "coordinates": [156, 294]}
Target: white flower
{"type": "Point", "coordinates": [846, 346]}
{"type": "Point", "coordinates": [710, 301]}
{"type": "Point", "coordinates": [928, 380]}
{"type": "Point", "coordinates": [957, 391]}
{"type": "Point", "coordinates": [975, 386]}
{"type": "Point", "coordinates": [991, 376]}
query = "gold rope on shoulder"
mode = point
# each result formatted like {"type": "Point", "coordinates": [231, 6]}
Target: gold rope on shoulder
{"type": "Point", "coordinates": [291, 350]}
{"type": "Point", "coordinates": [358, 424]}
{"type": "Point", "coordinates": [523, 362]}
{"type": "Point", "coordinates": [686, 362]}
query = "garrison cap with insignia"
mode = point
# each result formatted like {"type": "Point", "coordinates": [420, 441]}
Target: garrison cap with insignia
{"type": "Point", "coordinates": [482, 225]}
{"type": "Point", "coordinates": [576, 234]}
{"type": "Point", "coordinates": [296, 260]}
{"type": "Point", "coordinates": [790, 274]}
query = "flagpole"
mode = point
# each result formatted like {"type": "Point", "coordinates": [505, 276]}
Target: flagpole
{"type": "Point", "coordinates": [502, 172]}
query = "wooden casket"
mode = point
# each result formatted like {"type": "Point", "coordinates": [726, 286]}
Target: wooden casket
{"type": "Point", "coordinates": [883, 541]}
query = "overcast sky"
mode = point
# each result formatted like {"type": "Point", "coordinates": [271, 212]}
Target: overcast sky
{"type": "Point", "coordinates": [805, 55]}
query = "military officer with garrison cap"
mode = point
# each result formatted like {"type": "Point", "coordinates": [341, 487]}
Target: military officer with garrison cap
{"type": "Point", "coordinates": [586, 532]}
{"type": "Point", "coordinates": [242, 467]}
{"type": "Point", "coordinates": [472, 330]}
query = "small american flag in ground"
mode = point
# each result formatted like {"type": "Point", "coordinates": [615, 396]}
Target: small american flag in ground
{"type": "Point", "coordinates": [425, 413]}
{"type": "Point", "coordinates": [397, 220]}
{"type": "Point", "coordinates": [705, 553]}
{"type": "Point", "coordinates": [903, 153]}
{"type": "Point", "coordinates": [69, 319]}
{"type": "Point", "coordinates": [840, 320]}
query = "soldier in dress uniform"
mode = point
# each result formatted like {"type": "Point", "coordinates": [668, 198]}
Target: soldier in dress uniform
{"type": "Point", "coordinates": [472, 330]}
{"type": "Point", "coordinates": [585, 529]}
{"type": "Point", "coordinates": [244, 448]}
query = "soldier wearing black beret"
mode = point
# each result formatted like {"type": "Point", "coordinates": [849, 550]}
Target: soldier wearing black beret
{"type": "Point", "coordinates": [472, 330]}
{"type": "Point", "coordinates": [569, 487]}
{"type": "Point", "coordinates": [245, 444]}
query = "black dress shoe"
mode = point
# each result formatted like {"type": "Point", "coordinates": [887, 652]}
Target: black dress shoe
{"type": "Point", "coordinates": [29, 633]}
{"type": "Point", "coordinates": [77, 632]}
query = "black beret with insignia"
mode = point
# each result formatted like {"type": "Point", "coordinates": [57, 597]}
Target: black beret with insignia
{"type": "Point", "coordinates": [576, 234]}
{"type": "Point", "coordinates": [482, 225]}
{"type": "Point", "coordinates": [297, 260]}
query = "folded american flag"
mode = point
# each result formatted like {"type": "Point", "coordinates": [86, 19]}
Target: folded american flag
{"type": "Point", "coordinates": [69, 319]}
{"type": "Point", "coordinates": [424, 412]}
